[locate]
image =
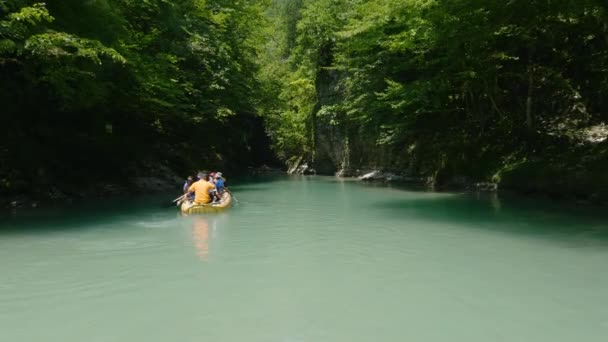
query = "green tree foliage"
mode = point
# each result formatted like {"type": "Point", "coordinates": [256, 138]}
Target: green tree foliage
{"type": "Point", "coordinates": [453, 87]}
{"type": "Point", "coordinates": [472, 87]}
{"type": "Point", "coordinates": [95, 89]}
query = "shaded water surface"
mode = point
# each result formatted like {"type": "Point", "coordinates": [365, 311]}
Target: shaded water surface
{"type": "Point", "coordinates": [308, 259]}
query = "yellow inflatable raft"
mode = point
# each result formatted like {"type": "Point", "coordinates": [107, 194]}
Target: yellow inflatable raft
{"type": "Point", "coordinates": [189, 208]}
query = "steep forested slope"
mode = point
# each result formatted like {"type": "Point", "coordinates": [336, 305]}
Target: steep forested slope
{"type": "Point", "coordinates": [508, 91]}
{"type": "Point", "coordinates": [511, 91]}
{"type": "Point", "coordinates": [97, 90]}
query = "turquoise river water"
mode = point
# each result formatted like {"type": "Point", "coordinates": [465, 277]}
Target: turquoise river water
{"type": "Point", "coordinates": [308, 259]}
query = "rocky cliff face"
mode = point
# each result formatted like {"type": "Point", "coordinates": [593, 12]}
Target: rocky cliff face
{"type": "Point", "coordinates": [347, 151]}
{"type": "Point", "coordinates": [340, 149]}
{"type": "Point", "coordinates": [330, 140]}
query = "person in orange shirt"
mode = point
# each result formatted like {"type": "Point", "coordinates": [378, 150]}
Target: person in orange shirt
{"type": "Point", "coordinates": [201, 189]}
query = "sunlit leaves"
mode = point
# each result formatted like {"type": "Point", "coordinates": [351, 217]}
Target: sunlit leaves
{"type": "Point", "coordinates": [59, 44]}
{"type": "Point", "coordinates": [27, 17]}
{"type": "Point", "coordinates": [16, 27]}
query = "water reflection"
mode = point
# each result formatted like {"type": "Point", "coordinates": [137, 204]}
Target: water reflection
{"type": "Point", "coordinates": [204, 229]}
{"type": "Point", "coordinates": [200, 237]}
{"type": "Point", "coordinates": [492, 198]}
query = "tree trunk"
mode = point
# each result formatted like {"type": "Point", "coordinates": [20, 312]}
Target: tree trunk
{"type": "Point", "coordinates": [529, 114]}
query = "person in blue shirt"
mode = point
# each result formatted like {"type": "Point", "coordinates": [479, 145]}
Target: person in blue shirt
{"type": "Point", "coordinates": [219, 184]}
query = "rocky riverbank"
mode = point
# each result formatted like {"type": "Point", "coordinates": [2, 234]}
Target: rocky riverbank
{"type": "Point", "coordinates": [587, 185]}
{"type": "Point", "coordinates": [457, 182]}
{"type": "Point", "coordinates": [150, 178]}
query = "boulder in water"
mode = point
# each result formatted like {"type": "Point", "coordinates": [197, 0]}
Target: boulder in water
{"type": "Point", "coordinates": [374, 175]}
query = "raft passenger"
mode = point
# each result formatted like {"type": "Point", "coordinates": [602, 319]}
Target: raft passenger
{"type": "Point", "coordinates": [213, 193]}
{"type": "Point", "coordinates": [187, 185]}
{"type": "Point", "coordinates": [219, 184]}
{"type": "Point", "coordinates": [201, 189]}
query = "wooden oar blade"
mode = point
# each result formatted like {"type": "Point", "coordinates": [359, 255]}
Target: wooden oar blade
{"type": "Point", "coordinates": [180, 197]}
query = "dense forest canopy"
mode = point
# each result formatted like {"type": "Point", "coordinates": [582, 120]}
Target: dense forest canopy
{"type": "Point", "coordinates": [510, 91]}
{"type": "Point", "coordinates": [96, 89]}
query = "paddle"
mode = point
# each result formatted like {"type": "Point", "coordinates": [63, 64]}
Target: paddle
{"type": "Point", "coordinates": [231, 194]}
{"type": "Point", "coordinates": [172, 203]}
{"type": "Point", "coordinates": [180, 197]}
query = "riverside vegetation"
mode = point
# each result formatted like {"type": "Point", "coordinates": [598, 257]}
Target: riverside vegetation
{"type": "Point", "coordinates": [511, 92]}
{"type": "Point", "coordinates": [103, 91]}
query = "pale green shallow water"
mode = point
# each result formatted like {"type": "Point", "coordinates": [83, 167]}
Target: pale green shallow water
{"type": "Point", "coordinates": [308, 259]}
